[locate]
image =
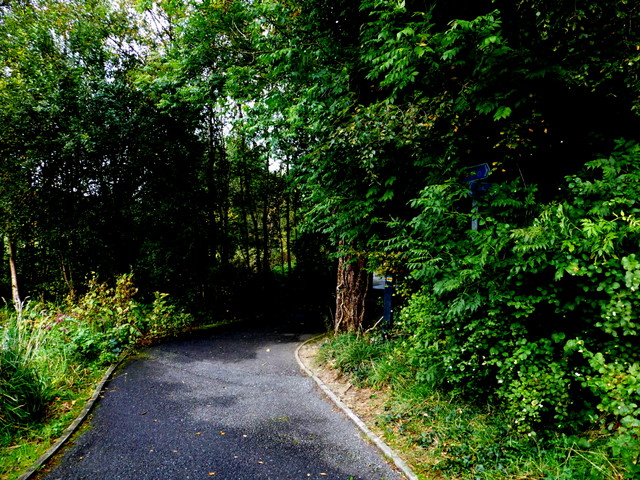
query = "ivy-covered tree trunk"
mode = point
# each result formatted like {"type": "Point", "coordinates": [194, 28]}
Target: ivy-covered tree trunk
{"type": "Point", "coordinates": [351, 293]}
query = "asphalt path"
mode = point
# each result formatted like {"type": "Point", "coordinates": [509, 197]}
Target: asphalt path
{"type": "Point", "coordinates": [229, 404]}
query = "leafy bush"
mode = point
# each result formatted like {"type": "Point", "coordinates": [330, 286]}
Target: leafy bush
{"type": "Point", "coordinates": [46, 348]}
{"type": "Point", "coordinates": [537, 308]}
{"type": "Point", "coordinates": [441, 434]}
{"type": "Point", "coordinates": [107, 320]}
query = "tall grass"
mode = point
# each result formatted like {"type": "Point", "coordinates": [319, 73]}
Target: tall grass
{"type": "Point", "coordinates": [33, 363]}
{"type": "Point", "coordinates": [23, 390]}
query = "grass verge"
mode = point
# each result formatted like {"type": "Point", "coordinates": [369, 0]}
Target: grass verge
{"type": "Point", "coordinates": [24, 444]}
{"type": "Point", "coordinates": [444, 437]}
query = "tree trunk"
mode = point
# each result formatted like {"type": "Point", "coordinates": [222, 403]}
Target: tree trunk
{"type": "Point", "coordinates": [351, 294]}
{"type": "Point", "coordinates": [67, 276]}
{"type": "Point", "coordinates": [15, 291]}
{"type": "Point", "coordinates": [288, 225]}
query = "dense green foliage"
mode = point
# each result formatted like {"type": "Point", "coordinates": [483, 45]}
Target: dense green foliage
{"type": "Point", "coordinates": [539, 316]}
{"type": "Point", "coordinates": [443, 436]}
{"type": "Point", "coordinates": [216, 148]}
{"type": "Point", "coordinates": [114, 158]}
{"type": "Point", "coordinates": [534, 309]}
{"type": "Point", "coordinates": [86, 156]}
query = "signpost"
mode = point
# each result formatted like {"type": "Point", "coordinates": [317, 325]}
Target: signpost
{"type": "Point", "coordinates": [387, 309]}
{"type": "Point", "coordinates": [477, 173]}
{"type": "Point", "coordinates": [385, 282]}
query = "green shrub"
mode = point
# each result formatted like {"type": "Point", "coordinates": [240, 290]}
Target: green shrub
{"type": "Point", "coordinates": [107, 320]}
{"type": "Point", "coordinates": [47, 348]}
{"type": "Point", "coordinates": [162, 318]}
{"type": "Point", "coordinates": [442, 434]}
{"type": "Point", "coordinates": [537, 309]}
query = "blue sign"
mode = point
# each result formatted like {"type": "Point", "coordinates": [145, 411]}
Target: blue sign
{"type": "Point", "coordinates": [478, 172]}
{"type": "Point", "coordinates": [476, 186]}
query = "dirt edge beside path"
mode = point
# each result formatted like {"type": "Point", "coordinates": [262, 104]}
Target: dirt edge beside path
{"type": "Point", "coordinates": [365, 404]}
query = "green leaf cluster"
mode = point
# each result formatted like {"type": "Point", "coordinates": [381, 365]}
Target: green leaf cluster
{"type": "Point", "coordinates": [536, 309]}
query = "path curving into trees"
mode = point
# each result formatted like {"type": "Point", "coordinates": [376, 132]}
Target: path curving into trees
{"type": "Point", "coordinates": [226, 405]}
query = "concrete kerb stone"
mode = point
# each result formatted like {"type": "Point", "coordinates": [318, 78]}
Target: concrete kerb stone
{"type": "Point", "coordinates": [377, 441]}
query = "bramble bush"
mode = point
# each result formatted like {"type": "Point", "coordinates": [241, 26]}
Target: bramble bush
{"type": "Point", "coordinates": [537, 308]}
